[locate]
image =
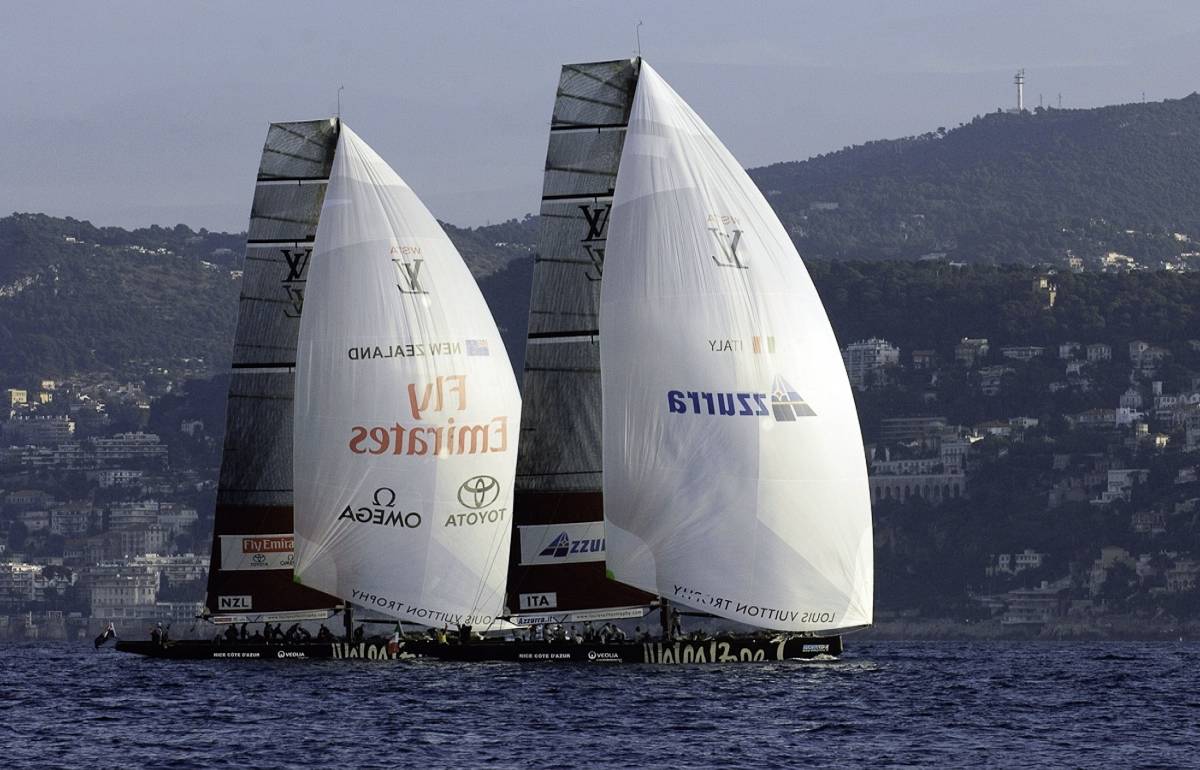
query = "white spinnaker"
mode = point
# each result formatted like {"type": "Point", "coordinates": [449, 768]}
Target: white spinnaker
{"type": "Point", "coordinates": [706, 308]}
{"type": "Point", "coordinates": [406, 410]}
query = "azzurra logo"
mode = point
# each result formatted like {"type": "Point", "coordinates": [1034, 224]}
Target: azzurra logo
{"type": "Point", "coordinates": [786, 403]}
{"type": "Point", "coordinates": [562, 545]}
{"type": "Point", "coordinates": [783, 403]}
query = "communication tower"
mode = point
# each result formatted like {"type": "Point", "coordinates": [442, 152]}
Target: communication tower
{"type": "Point", "coordinates": [1020, 81]}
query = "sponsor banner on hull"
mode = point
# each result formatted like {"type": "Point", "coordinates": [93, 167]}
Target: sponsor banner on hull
{"type": "Point", "coordinates": [370, 651]}
{"type": "Point", "coordinates": [716, 651]}
{"type": "Point", "coordinates": [244, 552]}
{"type": "Point", "coordinates": [582, 616]}
{"type": "Point", "coordinates": [562, 543]}
{"type": "Point", "coordinates": [271, 617]}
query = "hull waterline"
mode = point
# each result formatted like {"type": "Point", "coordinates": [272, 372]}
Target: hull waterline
{"type": "Point", "coordinates": [722, 650]}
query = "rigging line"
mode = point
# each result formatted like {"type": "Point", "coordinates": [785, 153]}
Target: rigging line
{"type": "Point", "coordinates": [495, 554]}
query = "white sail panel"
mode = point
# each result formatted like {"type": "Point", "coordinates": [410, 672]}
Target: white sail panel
{"type": "Point", "coordinates": [734, 475]}
{"type": "Point", "coordinates": [406, 410]}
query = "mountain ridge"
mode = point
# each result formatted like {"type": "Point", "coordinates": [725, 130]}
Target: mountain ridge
{"type": "Point", "coordinates": [1058, 187]}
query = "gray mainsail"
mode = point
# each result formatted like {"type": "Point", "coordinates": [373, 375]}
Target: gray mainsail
{"type": "Point", "coordinates": [558, 503]}
{"type": "Point", "coordinates": [252, 549]}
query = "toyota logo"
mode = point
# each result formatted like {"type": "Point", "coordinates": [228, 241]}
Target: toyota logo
{"type": "Point", "coordinates": [478, 492]}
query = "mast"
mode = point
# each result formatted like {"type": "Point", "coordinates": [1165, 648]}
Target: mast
{"type": "Point", "coordinates": [557, 561]}
{"type": "Point", "coordinates": [250, 576]}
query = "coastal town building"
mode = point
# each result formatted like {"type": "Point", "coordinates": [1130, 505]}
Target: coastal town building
{"type": "Point", "coordinates": [969, 350]}
{"type": "Point", "coordinates": [1046, 290]}
{"type": "Point", "coordinates": [1015, 563]}
{"type": "Point", "coordinates": [991, 378]}
{"type": "Point", "coordinates": [39, 430]}
{"type": "Point", "coordinates": [867, 362]}
{"type": "Point", "coordinates": [926, 431]}
{"type": "Point", "coordinates": [1035, 606]}
{"type": "Point", "coordinates": [1120, 484]}
{"type": "Point", "coordinates": [1022, 352]}
{"type": "Point", "coordinates": [124, 447]}
{"type": "Point", "coordinates": [931, 487]}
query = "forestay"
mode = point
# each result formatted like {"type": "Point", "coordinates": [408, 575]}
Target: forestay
{"type": "Point", "coordinates": [734, 475]}
{"type": "Point", "coordinates": [406, 410]}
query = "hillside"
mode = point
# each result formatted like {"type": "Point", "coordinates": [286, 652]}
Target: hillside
{"type": "Point", "coordinates": [75, 297]}
{"type": "Point", "coordinates": [1026, 188]}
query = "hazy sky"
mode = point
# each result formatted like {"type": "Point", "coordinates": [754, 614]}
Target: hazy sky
{"type": "Point", "coordinates": [131, 113]}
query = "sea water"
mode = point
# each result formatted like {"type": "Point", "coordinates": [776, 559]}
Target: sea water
{"type": "Point", "coordinates": [883, 704]}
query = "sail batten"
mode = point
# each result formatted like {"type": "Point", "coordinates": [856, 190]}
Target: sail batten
{"type": "Point", "coordinates": [734, 475]}
{"type": "Point", "coordinates": [406, 410]}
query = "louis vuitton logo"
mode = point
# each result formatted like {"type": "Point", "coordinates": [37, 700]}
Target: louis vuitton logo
{"type": "Point", "coordinates": [597, 220]}
{"type": "Point", "coordinates": [596, 254]}
{"type": "Point", "coordinates": [410, 276]}
{"type": "Point", "coordinates": [293, 284]}
{"type": "Point", "coordinates": [593, 242]}
{"type": "Point", "coordinates": [729, 247]}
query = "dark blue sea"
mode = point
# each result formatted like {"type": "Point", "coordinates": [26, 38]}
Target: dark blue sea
{"type": "Point", "coordinates": [884, 704]}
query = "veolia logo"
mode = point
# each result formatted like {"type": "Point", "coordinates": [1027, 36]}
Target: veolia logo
{"type": "Point", "coordinates": [478, 492]}
{"type": "Point", "coordinates": [593, 655]}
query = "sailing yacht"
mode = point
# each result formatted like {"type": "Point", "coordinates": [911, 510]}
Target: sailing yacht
{"type": "Point", "coordinates": [692, 443]}
{"type": "Point", "coordinates": [690, 439]}
{"type": "Point", "coordinates": [372, 420]}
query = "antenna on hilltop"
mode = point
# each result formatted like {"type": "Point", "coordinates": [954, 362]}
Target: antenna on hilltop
{"type": "Point", "coordinates": [638, 31]}
{"type": "Point", "coordinates": [1020, 81]}
{"type": "Point", "coordinates": [339, 112]}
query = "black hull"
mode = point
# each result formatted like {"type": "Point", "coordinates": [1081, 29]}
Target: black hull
{"type": "Point", "coordinates": [205, 650]}
{"type": "Point", "coordinates": [725, 650]}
